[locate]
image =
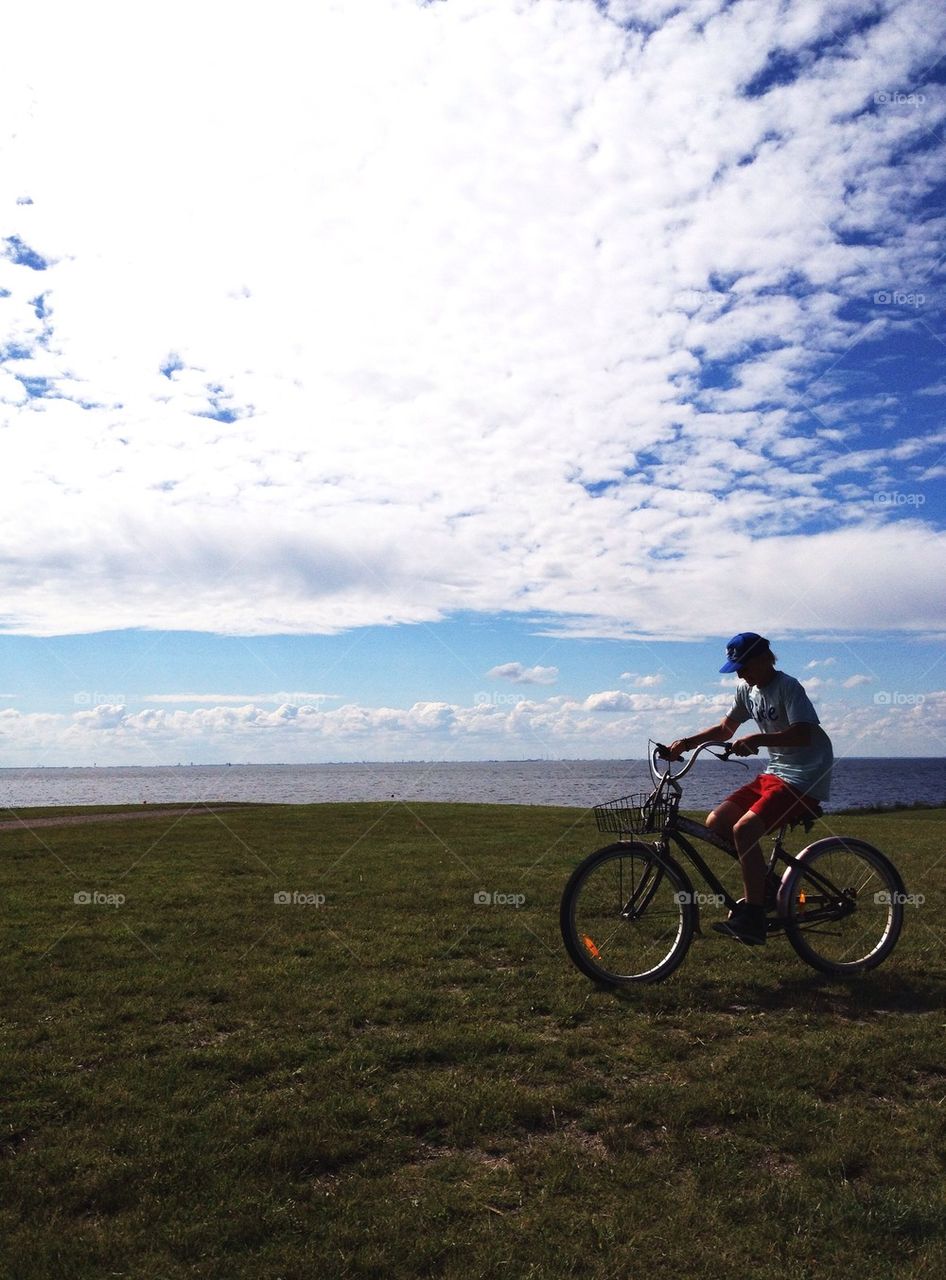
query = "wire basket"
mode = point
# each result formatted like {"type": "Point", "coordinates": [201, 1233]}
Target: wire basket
{"type": "Point", "coordinates": [631, 815]}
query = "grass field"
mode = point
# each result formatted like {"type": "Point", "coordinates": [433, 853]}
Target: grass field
{"type": "Point", "coordinates": [385, 1077]}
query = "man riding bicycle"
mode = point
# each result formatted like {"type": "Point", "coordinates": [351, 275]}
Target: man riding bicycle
{"type": "Point", "coordinates": [797, 777]}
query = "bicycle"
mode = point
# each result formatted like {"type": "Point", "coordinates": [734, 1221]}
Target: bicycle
{"type": "Point", "coordinates": [629, 911]}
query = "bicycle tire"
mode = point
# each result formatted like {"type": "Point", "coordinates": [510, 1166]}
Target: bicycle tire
{"type": "Point", "coordinates": [645, 945]}
{"type": "Point", "coordinates": [854, 926]}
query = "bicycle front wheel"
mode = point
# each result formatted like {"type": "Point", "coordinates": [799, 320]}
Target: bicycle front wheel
{"type": "Point", "coordinates": [627, 917]}
{"type": "Point", "coordinates": [842, 906]}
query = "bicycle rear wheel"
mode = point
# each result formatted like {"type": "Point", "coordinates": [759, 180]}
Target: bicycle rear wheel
{"type": "Point", "coordinates": [842, 906]}
{"type": "Point", "coordinates": [627, 917]}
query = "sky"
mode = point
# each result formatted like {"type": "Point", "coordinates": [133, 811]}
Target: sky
{"type": "Point", "coordinates": [451, 380]}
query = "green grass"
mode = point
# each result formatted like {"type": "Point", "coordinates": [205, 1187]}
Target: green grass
{"type": "Point", "coordinates": [398, 1081]}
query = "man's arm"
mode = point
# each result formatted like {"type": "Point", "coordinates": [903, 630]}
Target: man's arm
{"type": "Point", "coordinates": [796, 735]}
{"type": "Point", "coordinates": [721, 732]}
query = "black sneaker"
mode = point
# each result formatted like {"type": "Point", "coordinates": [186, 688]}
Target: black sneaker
{"type": "Point", "coordinates": [745, 924]}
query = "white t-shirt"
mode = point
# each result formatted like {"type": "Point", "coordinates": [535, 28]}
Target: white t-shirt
{"type": "Point", "coordinates": [776, 706]}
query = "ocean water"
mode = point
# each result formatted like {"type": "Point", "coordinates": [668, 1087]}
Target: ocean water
{"type": "Point", "coordinates": [857, 782]}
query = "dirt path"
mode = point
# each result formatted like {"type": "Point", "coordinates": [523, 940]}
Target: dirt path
{"type": "Point", "coordinates": [77, 819]}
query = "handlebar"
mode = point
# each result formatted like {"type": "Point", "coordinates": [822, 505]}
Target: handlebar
{"type": "Point", "coordinates": [661, 752]}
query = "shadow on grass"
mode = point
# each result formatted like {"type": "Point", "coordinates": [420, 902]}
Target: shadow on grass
{"type": "Point", "coordinates": [871, 994]}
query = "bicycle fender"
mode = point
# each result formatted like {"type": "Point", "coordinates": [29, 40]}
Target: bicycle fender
{"type": "Point", "coordinates": [653, 851]}
{"type": "Point", "coordinates": [816, 847]}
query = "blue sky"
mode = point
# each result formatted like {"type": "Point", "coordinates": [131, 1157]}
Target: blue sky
{"type": "Point", "coordinates": [459, 385]}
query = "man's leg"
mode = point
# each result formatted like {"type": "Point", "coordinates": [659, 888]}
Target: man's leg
{"type": "Point", "coordinates": [747, 833]}
{"type": "Point", "coordinates": [743, 828]}
{"type": "Point", "coordinates": [724, 817]}
{"type": "Point", "coordinates": [736, 822]}
{"type": "Point", "coordinates": [747, 920]}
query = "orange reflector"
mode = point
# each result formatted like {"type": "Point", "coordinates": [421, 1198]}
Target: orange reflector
{"type": "Point", "coordinates": [801, 899]}
{"type": "Point", "coordinates": [590, 946]}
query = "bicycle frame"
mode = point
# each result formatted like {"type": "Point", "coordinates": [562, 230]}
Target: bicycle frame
{"type": "Point", "coordinates": [677, 827]}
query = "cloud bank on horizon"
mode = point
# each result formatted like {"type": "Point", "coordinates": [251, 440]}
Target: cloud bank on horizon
{"type": "Point", "coordinates": [346, 315]}
{"type": "Point", "coordinates": [609, 724]}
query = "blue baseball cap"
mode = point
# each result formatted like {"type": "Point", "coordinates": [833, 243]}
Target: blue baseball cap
{"type": "Point", "coordinates": [741, 648]}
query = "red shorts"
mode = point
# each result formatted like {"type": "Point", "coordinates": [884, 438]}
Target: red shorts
{"type": "Point", "coordinates": [773, 800]}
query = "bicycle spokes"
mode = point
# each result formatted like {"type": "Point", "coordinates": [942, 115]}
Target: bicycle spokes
{"type": "Point", "coordinates": [624, 918]}
{"type": "Point", "coordinates": [844, 911]}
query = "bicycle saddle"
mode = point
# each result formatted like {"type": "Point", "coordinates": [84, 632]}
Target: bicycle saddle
{"type": "Point", "coordinates": [809, 819]}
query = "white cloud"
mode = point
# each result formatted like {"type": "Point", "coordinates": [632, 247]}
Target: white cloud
{"type": "Point", "coordinates": [854, 682]}
{"type": "Point", "coordinates": [519, 674]}
{"type": "Point", "coordinates": [643, 681]}
{"type": "Point", "coordinates": [390, 310]}
{"type": "Point", "coordinates": [610, 700]}
{"type": "Point", "coordinates": [820, 662]}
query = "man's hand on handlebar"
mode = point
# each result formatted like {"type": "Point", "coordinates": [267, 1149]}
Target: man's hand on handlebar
{"type": "Point", "coordinates": [675, 751]}
{"type": "Point", "coordinates": [742, 747]}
